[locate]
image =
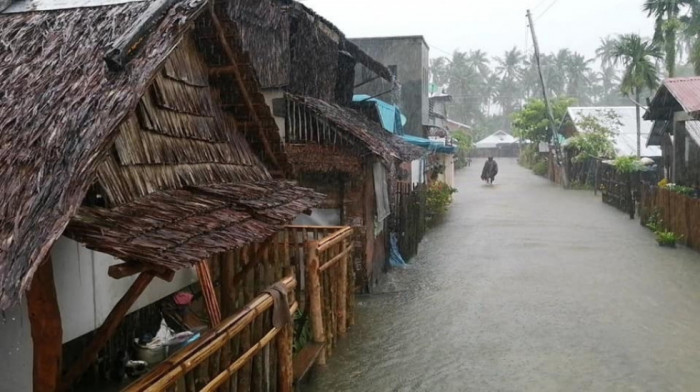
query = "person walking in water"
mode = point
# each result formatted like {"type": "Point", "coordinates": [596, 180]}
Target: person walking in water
{"type": "Point", "coordinates": [490, 171]}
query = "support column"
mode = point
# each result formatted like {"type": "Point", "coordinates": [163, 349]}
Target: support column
{"type": "Point", "coordinates": [47, 331]}
{"type": "Point", "coordinates": [313, 286]}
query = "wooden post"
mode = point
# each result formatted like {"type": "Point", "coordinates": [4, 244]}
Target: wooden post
{"type": "Point", "coordinates": [285, 369]}
{"type": "Point", "coordinates": [47, 331]}
{"type": "Point", "coordinates": [343, 291]}
{"type": "Point", "coordinates": [228, 304]}
{"type": "Point", "coordinates": [208, 292]}
{"type": "Point", "coordinates": [106, 330]}
{"type": "Point", "coordinates": [313, 286]}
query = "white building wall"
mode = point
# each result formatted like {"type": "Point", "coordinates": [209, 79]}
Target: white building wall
{"type": "Point", "coordinates": [86, 295]}
{"type": "Point", "coordinates": [269, 96]}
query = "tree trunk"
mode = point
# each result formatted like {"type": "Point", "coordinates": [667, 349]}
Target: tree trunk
{"type": "Point", "coordinates": [47, 332]}
{"type": "Point", "coordinates": [639, 125]}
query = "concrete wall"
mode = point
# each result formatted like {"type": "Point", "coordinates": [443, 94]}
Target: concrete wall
{"type": "Point", "coordinates": [410, 55]}
{"type": "Point", "coordinates": [86, 295]}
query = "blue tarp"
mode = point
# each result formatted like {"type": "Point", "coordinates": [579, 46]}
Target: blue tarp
{"type": "Point", "coordinates": [393, 121]}
{"type": "Point", "coordinates": [430, 145]}
{"type": "Point", "coordinates": [390, 114]}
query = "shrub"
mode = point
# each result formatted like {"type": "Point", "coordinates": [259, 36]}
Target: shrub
{"type": "Point", "coordinates": [438, 198]}
{"type": "Point", "coordinates": [540, 168]}
{"type": "Point", "coordinates": [627, 164]}
{"type": "Point", "coordinates": [667, 238]}
{"type": "Point", "coordinates": [680, 189]}
{"type": "Point", "coordinates": [654, 221]}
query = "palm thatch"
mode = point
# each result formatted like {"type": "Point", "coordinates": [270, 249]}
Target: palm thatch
{"type": "Point", "coordinates": [153, 135]}
{"type": "Point", "coordinates": [313, 121]}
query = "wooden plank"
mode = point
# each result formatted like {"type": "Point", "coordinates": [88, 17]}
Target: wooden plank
{"type": "Point", "coordinates": [106, 330]}
{"type": "Point", "coordinates": [47, 331]}
{"type": "Point", "coordinates": [305, 359]}
{"type": "Point", "coordinates": [123, 270]}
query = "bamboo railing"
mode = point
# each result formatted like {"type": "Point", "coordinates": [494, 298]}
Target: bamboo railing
{"type": "Point", "coordinates": [330, 292]}
{"type": "Point", "coordinates": [213, 357]}
{"type": "Point", "coordinates": [244, 351]}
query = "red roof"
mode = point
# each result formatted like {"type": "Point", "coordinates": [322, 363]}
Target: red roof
{"type": "Point", "coordinates": [685, 91]}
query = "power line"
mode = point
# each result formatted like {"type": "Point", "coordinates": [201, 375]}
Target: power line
{"type": "Point", "coordinates": [546, 9]}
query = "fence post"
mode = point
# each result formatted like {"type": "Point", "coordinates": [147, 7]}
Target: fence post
{"type": "Point", "coordinates": [342, 291]}
{"type": "Point", "coordinates": [313, 286]}
{"type": "Point", "coordinates": [285, 367]}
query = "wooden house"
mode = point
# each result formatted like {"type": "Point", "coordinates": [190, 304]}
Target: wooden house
{"type": "Point", "coordinates": [306, 68]}
{"type": "Point", "coordinates": [138, 130]}
{"type": "Point", "coordinates": [675, 111]}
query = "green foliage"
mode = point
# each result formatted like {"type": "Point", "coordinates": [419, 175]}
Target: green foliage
{"type": "Point", "coordinates": [595, 138]}
{"type": "Point", "coordinates": [638, 57]}
{"type": "Point", "coordinates": [532, 122]}
{"type": "Point", "coordinates": [529, 156]}
{"type": "Point", "coordinates": [654, 221]}
{"type": "Point", "coordinates": [627, 164]}
{"type": "Point", "coordinates": [464, 144]}
{"type": "Point", "coordinates": [540, 168]}
{"type": "Point", "coordinates": [302, 331]}
{"type": "Point", "coordinates": [438, 198]}
{"type": "Point", "coordinates": [680, 189]}
{"type": "Point", "coordinates": [667, 238]}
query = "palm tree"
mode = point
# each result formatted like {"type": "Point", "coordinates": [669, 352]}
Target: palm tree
{"type": "Point", "coordinates": [691, 33]}
{"type": "Point", "coordinates": [665, 13]}
{"type": "Point", "coordinates": [604, 51]}
{"type": "Point", "coordinates": [637, 56]}
{"type": "Point", "coordinates": [439, 70]}
{"type": "Point", "coordinates": [479, 61]}
{"type": "Point", "coordinates": [577, 69]}
{"type": "Point", "coordinates": [511, 64]}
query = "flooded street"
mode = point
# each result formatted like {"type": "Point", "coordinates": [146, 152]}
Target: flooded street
{"type": "Point", "coordinates": [528, 287]}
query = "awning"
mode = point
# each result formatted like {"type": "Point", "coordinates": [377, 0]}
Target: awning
{"type": "Point", "coordinates": [177, 228]}
{"type": "Point", "coordinates": [430, 145]}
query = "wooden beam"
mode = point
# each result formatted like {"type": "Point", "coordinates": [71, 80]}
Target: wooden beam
{"type": "Point", "coordinates": [236, 72]}
{"type": "Point", "coordinates": [47, 331]}
{"type": "Point", "coordinates": [209, 293]}
{"type": "Point", "coordinates": [106, 330]}
{"type": "Point", "coordinates": [123, 270]}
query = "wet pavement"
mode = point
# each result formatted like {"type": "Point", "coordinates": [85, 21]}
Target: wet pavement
{"type": "Point", "coordinates": [528, 287]}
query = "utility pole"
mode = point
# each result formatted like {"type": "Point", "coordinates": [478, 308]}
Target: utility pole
{"type": "Point", "coordinates": [550, 114]}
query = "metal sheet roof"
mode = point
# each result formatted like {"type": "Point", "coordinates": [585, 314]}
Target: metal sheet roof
{"type": "Point", "coordinates": [686, 91]}
{"type": "Point", "coordinates": [48, 5]}
{"type": "Point", "coordinates": [498, 137]}
{"type": "Point", "coordinates": [623, 121]}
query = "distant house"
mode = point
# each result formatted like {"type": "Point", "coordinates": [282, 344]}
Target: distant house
{"type": "Point", "coordinates": [453, 126]}
{"type": "Point", "coordinates": [675, 111]}
{"type": "Point", "coordinates": [407, 58]}
{"type": "Point", "coordinates": [620, 120]}
{"type": "Point", "coordinates": [498, 144]}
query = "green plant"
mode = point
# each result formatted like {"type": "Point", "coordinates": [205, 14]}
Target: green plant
{"type": "Point", "coordinates": [302, 331]}
{"type": "Point", "coordinates": [680, 189]}
{"type": "Point", "coordinates": [540, 168]}
{"type": "Point", "coordinates": [667, 238]}
{"type": "Point", "coordinates": [654, 221]}
{"type": "Point", "coordinates": [627, 165]}
{"type": "Point", "coordinates": [595, 138]}
{"type": "Point", "coordinates": [438, 198]}
{"type": "Point", "coordinates": [532, 122]}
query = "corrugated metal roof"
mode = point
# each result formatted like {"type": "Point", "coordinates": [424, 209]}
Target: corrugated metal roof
{"type": "Point", "coordinates": [686, 91]}
{"type": "Point", "coordinates": [493, 140]}
{"type": "Point", "coordinates": [622, 120]}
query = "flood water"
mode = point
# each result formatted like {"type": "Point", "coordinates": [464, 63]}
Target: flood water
{"type": "Point", "coordinates": [527, 287]}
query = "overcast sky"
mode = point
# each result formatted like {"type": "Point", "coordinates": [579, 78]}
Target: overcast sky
{"type": "Point", "coordinates": [491, 25]}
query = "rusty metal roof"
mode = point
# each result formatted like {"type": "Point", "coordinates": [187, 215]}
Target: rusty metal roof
{"type": "Point", "coordinates": [675, 93]}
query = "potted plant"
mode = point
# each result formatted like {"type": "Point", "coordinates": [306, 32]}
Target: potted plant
{"type": "Point", "coordinates": [667, 238]}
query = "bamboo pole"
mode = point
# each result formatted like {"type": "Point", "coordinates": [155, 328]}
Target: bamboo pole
{"type": "Point", "coordinates": [343, 291]}
{"type": "Point", "coordinates": [313, 287]}
{"type": "Point", "coordinates": [285, 369]}
{"type": "Point", "coordinates": [244, 375]}
{"type": "Point", "coordinates": [258, 323]}
{"type": "Point", "coordinates": [46, 327]}
{"type": "Point", "coordinates": [208, 292]}
{"type": "Point", "coordinates": [228, 304]}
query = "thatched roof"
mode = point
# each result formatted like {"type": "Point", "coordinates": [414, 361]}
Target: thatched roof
{"type": "Point", "coordinates": [137, 137]}
{"type": "Point", "coordinates": [351, 127]}
{"type": "Point", "coordinates": [291, 46]}
{"type": "Point", "coordinates": [177, 228]}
